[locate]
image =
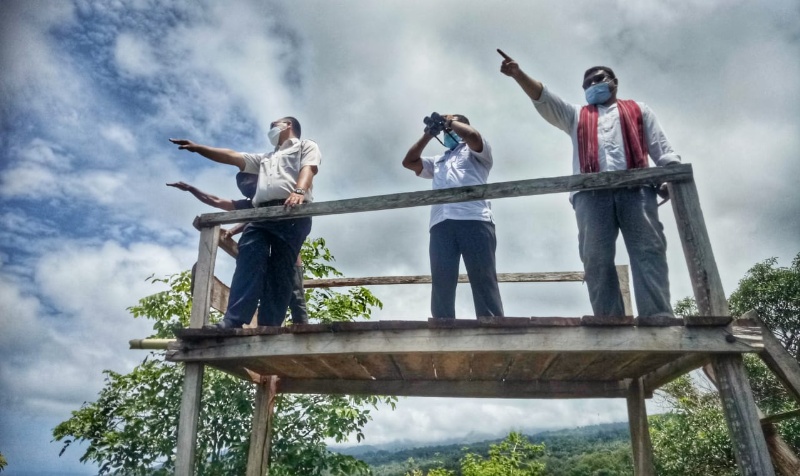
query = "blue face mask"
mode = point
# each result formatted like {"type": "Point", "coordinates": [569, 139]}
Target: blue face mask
{"type": "Point", "coordinates": [451, 140]}
{"type": "Point", "coordinates": [598, 93]}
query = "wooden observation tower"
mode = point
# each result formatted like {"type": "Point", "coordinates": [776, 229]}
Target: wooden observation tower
{"type": "Point", "coordinates": [531, 357]}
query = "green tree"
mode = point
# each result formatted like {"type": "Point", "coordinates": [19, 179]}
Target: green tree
{"type": "Point", "coordinates": [3, 462]}
{"type": "Point", "coordinates": [514, 456]}
{"type": "Point", "coordinates": [693, 437]}
{"type": "Point", "coordinates": [132, 427]}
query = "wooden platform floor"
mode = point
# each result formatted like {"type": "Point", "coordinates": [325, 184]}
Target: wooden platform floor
{"type": "Point", "coordinates": [536, 357]}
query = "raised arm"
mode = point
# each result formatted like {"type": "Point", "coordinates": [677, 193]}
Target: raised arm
{"type": "Point", "coordinates": [468, 133]}
{"type": "Point", "coordinates": [509, 67]}
{"type": "Point", "coordinates": [207, 198]}
{"type": "Point", "coordinates": [413, 158]}
{"type": "Point", "coordinates": [223, 156]}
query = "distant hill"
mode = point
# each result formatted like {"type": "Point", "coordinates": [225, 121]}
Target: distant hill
{"type": "Point", "coordinates": [578, 451]}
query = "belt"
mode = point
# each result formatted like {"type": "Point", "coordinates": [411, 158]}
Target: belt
{"type": "Point", "coordinates": [272, 203]}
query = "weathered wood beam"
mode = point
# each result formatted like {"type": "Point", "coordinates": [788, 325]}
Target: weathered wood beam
{"type": "Point", "coordinates": [459, 388]}
{"type": "Point", "coordinates": [741, 415]}
{"type": "Point", "coordinates": [779, 417]}
{"type": "Point", "coordinates": [519, 188]}
{"type": "Point", "coordinates": [777, 358]}
{"type": "Point", "coordinates": [516, 339]}
{"type": "Point", "coordinates": [261, 431]}
{"type": "Point", "coordinates": [150, 344]}
{"type": "Point", "coordinates": [204, 276]}
{"type": "Point", "coordinates": [553, 277]}
{"type": "Point", "coordinates": [673, 370]}
{"type": "Point", "coordinates": [703, 272]}
{"type": "Point", "coordinates": [187, 422]}
{"type": "Point", "coordinates": [640, 433]}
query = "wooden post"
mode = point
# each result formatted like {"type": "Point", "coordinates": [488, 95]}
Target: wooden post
{"type": "Point", "coordinates": [640, 433]}
{"type": "Point", "coordinates": [193, 372]}
{"type": "Point", "coordinates": [703, 271]}
{"type": "Point", "coordinates": [625, 288]}
{"type": "Point", "coordinates": [261, 433]}
{"type": "Point", "coordinates": [741, 415]}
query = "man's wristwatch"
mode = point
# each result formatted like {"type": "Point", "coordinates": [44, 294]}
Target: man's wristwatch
{"type": "Point", "coordinates": [300, 191]}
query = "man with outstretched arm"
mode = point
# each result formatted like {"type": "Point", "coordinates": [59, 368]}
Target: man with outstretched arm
{"type": "Point", "coordinates": [247, 185]}
{"type": "Point", "coordinates": [459, 229]}
{"type": "Point", "coordinates": [268, 248]}
{"type": "Point", "coordinates": [611, 134]}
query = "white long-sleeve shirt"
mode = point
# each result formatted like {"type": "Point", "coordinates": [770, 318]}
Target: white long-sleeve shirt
{"type": "Point", "coordinates": [610, 141]}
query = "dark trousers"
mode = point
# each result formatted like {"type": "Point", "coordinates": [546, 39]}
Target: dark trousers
{"type": "Point", "coordinates": [265, 270]}
{"type": "Point", "coordinates": [474, 240]}
{"type": "Point", "coordinates": [601, 215]}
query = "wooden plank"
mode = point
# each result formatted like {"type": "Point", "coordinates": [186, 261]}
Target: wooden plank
{"type": "Point", "coordinates": [551, 277]}
{"type": "Point", "coordinates": [671, 371]}
{"type": "Point", "coordinates": [489, 365]}
{"type": "Point", "coordinates": [607, 321]}
{"type": "Point", "coordinates": [658, 321]}
{"type": "Point", "coordinates": [706, 282]}
{"type": "Point", "coordinates": [187, 422]}
{"type": "Point", "coordinates": [625, 288]}
{"type": "Point", "coordinates": [415, 366]}
{"type": "Point", "coordinates": [527, 366]}
{"type": "Point", "coordinates": [555, 321]}
{"type": "Point", "coordinates": [522, 340]}
{"type": "Point", "coordinates": [201, 296]}
{"type": "Point", "coordinates": [566, 366]}
{"type": "Point", "coordinates": [741, 415]}
{"type": "Point", "coordinates": [261, 431]}
{"type": "Point", "coordinates": [379, 366]}
{"type": "Point", "coordinates": [220, 292]}
{"type": "Point", "coordinates": [643, 464]}
{"type": "Point", "coordinates": [779, 417]}
{"type": "Point", "coordinates": [519, 188]}
{"type": "Point", "coordinates": [777, 358]}
{"type": "Point", "coordinates": [609, 366]}
{"type": "Point", "coordinates": [452, 366]}
{"type": "Point", "coordinates": [459, 389]}
{"type": "Point", "coordinates": [695, 321]}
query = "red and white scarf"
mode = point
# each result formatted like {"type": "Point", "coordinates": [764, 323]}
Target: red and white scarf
{"type": "Point", "coordinates": [630, 118]}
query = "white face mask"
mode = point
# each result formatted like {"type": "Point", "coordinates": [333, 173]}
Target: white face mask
{"type": "Point", "coordinates": [274, 134]}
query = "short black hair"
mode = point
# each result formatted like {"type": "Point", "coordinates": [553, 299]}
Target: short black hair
{"type": "Point", "coordinates": [461, 118]}
{"type": "Point", "coordinates": [295, 125]}
{"type": "Point", "coordinates": [591, 71]}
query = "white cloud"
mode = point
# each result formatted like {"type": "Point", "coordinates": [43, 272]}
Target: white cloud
{"type": "Point", "coordinates": [134, 55]}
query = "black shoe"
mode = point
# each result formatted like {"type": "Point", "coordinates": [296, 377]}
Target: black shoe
{"type": "Point", "coordinates": [224, 324]}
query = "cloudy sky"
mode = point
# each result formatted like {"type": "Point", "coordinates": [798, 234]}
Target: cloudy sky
{"type": "Point", "coordinates": [91, 90]}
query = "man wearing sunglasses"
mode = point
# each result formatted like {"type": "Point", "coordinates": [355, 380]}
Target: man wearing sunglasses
{"type": "Point", "coordinates": [611, 134]}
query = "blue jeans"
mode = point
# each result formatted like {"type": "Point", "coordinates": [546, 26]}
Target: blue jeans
{"type": "Point", "coordinates": [601, 214]}
{"type": "Point", "coordinates": [474, 240]}
{"type": "Point", "coordinates": [264, 270]}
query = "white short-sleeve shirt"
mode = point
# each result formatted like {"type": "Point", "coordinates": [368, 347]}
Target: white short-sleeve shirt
{"type": "Point", "coordinates": [278, 170]}
{"type": "Point", "coordinates": [457, 168]}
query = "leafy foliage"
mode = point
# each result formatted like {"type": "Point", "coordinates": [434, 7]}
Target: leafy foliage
{"type": "Point", "coordinates": [597, 450]}
{"type": "Point", "coordinates": [3, 462]}
{"type": "Point", "coordinates": [514, 456]}
{"type": "Point", "coordinates": [693, 437]}
{"type": "Point", "coordinates": [132, 427]}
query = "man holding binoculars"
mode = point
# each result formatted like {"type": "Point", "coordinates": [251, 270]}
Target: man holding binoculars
{"type": "Point", "coordinates": [458, 229]}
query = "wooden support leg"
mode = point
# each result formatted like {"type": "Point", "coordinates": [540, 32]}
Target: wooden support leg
{"type": "Point", "coordinates": [640, 433]}
{"type": "Point", "coordinates": [187, 424]}
{"type": "Point", "coordinates": [193, 373]}
{"type": "Point", "coordinates": [741, 414]}
{"type": "Point", "coordinates": [261, 434]}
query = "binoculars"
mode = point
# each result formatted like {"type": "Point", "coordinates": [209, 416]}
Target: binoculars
{"type": "Point", "coordinates": [434, 124]}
